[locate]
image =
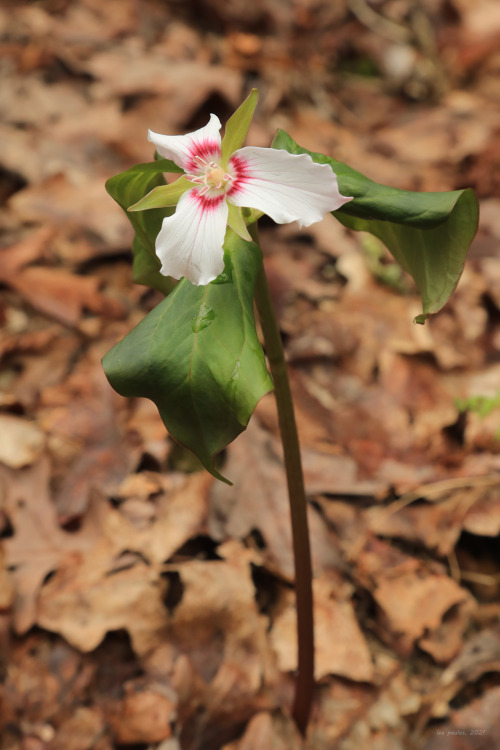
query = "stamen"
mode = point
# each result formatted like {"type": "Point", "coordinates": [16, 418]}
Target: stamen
{"type": "Point", "coordinates": [201, 161]}
{"type": "Point", "coordinates": [212, 179]}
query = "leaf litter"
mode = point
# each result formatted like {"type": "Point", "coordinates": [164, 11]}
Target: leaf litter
{"type": "Point", "coordinates": [141, 603]}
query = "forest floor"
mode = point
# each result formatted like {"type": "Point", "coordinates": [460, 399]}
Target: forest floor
{"type": "Point", "coordinates": [143, 604]}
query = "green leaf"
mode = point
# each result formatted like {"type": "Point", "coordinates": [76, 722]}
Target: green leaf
{"type": "Point", "coordinates": [237, 126]}
{"type": "Point", "coordinates": [197, 356]}
{"type": "Point", "coordinates": [428, 234]}
{"type": "Point", "coordinates": [127, 189]}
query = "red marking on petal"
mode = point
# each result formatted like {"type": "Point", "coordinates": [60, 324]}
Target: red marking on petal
{"type": "Point", "coordinates": [206, 149]}
{"type": "Point", "coordinates": [206, 202]}
{"type": "Point", "coordinates": [240, 171]}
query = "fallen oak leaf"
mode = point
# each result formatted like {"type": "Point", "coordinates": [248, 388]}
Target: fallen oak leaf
{"type": "Point", "coordinates": [30, 248]}
{"type": "Point", "coordinates": [341, 648]}
{"type": "Point", "coordinates": [414, 604]}
{"type": "Point", "coordinates": [79, 584]}
{"type": "Point", "coordinates": [451, 506]}
{"type": "Point", "coordinates": [83, 601]}
{"type": "Point", "coordinates": [72, 203]}
{"type": "Point", "coordinates": [63, 295]}
{"type": "Point", "coordinates": [53, 291]}
{"type": "Point", "coordinates": [215, 650]}
{"type": "Point", "coordinates": [415, 601]}
{"type": "Point", "coordinates": [121, 573]}
{"type": "Point", "coordinates": [38, 544]}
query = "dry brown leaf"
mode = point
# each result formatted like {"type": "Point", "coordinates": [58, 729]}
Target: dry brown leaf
{"type": "Point", "coordinates": [22, 442]}
{"type": "Point", "coordinates": [96, 593]}
{"type": "Point", "coordinates": [85, 601]}
{"type": "Point", "coordinates": [82, 83]}
{"type": "Point", "coordinates": [30, 248]}
{"type": "Point", "coordinates": [53, 291]}
{"type": "Point", "coordinates": [145, 714]}
{"type": "Point", "coordinates": [270, 731]}
{"type": "Point", "coordinates": [69, 202]}
{"type": "Point", "coordinates": [427, 135]}
{"type": "Point", "coordinates": [339, 706]}
{"type": "Point", "coordinates": [437, 526]}
{"type": "Point", "coordinates": [29, 100]}
{"type": "Point", "coordinates": [482, 716]}
{"type": "Point", "coordinates": [259, 502]}
{"type": "Point", "coordinates": [483, 519]}
{"type": "Point", "coordinates": [80, 420]}
{"type": "Point", "coordinates": [446, 641]}
{"type": "Point", "coordinates": [93, 581]}
{"type": "Point", "coordinates": [85, 729]}
{"type": "Point", "coordinates": [92, 22]}
{"type": "Point", "coordinates": [36, 157]}
{"type": "Point", "coordinates": [415, 603]}
{"type": "Point", "coordinates": [120, 71]}
{"type": "Point", "coordinates": [63, 295]}
{"type": "Point", "coordinates": [214, 648]}
{"type": "Point", "coordinates": [454, 505]}
{"type": "Point", "coordinates": [216, 620]}
{"type": "Point", "coordinates": [481, 19]}
{"type": "Point", "coordinates": [6, 588]}
{"type": "Point", "coordinates": [480, 654]}
{"type": "Point", "coordinates": [341, 648]}
{"type": "Point", "coordinates": [38, 544]}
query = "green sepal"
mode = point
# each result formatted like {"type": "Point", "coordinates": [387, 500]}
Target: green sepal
{"type": "Point", "coordinates": [198, 357]}
{"type": "Point", "coordinates": [237, 126]}
{"type": "Point", "coordinates": [163, 195]}
{"type": "Point", "coordinates": [237, 223]}
{"type": "Point", "coordinates": [428, 234]}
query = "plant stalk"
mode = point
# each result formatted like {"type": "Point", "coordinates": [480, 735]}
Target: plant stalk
{"type": "Point", "coordinates": [298, 505]}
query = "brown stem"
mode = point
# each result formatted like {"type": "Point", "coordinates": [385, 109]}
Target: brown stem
{"type": "Point", "coordinates": [298, 505]}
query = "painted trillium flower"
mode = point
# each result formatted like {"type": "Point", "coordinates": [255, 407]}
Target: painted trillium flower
{"type": "Point", "coordinates": [220, 179]}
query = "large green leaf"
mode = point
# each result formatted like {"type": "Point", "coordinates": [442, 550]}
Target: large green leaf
{"type": "Point", "coordinates": [197, 356]}
{"type": "Point", "coordinates": [429, 234]}
{"type": "Point", "coordinates": [126, 189]}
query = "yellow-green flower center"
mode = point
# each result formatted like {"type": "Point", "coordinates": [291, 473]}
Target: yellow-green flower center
{"type": "Point", "coordinates": [212, 178]}
{"type": "Point", "coordinates": [216, 177]}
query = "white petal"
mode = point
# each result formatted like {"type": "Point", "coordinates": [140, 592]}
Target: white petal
{"type": "Point", "coordinates": [204, 142]}
{"type": "Point", "coordinates": [190, 242]}
{"type": "Point", "coordinates": [286, 187]}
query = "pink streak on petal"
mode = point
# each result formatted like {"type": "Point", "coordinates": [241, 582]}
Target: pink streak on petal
{"type": "Point", "coordinates": [206, 202]}
{"type": "Point", "coordinates": [208, 150]}
{"type": "Point", "coordinates": [241, 174]}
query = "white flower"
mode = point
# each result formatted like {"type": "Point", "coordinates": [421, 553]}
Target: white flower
{"type": "Point", "coordinates": [284, 186]}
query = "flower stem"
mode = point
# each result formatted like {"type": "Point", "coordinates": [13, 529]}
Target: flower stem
{"type": "Point", "coordinates": [298, 506]}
